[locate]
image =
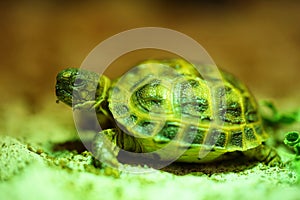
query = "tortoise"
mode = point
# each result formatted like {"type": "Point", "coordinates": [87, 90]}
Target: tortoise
{"type": "Point", "coordinates": [163, 101]}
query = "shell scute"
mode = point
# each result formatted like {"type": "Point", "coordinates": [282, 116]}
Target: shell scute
{"type": "Point", "coordinates": [169, 100]}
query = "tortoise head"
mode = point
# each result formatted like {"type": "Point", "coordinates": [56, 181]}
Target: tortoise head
{"type": "Point", "coordinates": [75, 86]}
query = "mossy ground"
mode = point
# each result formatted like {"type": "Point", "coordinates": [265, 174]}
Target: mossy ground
{"type": "Point", "coordinates": [52, 164]}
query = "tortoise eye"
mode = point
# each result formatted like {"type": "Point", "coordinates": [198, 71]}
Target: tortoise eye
{"type": "Point", "coordinates": [78, 82]}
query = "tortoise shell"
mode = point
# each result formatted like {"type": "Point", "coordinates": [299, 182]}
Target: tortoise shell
{"type": "Point", "coordinates": [160, 101]}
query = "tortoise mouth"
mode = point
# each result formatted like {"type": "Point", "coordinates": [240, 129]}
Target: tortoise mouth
{"type": "Point", "coordinates": [63, 95]}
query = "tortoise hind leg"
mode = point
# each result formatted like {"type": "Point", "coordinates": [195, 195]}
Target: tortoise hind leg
{"type": "Point", "coordinates": [265, 154]}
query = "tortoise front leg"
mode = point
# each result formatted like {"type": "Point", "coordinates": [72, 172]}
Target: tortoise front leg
{"type": "Point", "coordinates": [105, 149]}
{"type": "Point", "coordinates": [107, 145]}
{"type": "Point", "coordinates": [88, 105]}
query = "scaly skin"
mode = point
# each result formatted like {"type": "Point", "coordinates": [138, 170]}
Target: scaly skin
{"type": "Point", "coordinates": [93, 92]}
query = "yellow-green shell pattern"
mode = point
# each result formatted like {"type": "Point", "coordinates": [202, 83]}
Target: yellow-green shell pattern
{"type": "Point", "coordinates": [159, 101]}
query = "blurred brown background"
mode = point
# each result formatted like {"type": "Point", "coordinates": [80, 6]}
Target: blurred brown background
{"type": "Point", "coordinates": [258, 41]}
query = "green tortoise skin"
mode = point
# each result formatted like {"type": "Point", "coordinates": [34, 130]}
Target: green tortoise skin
{"type": "Point", "coordinates": [159, 101]}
